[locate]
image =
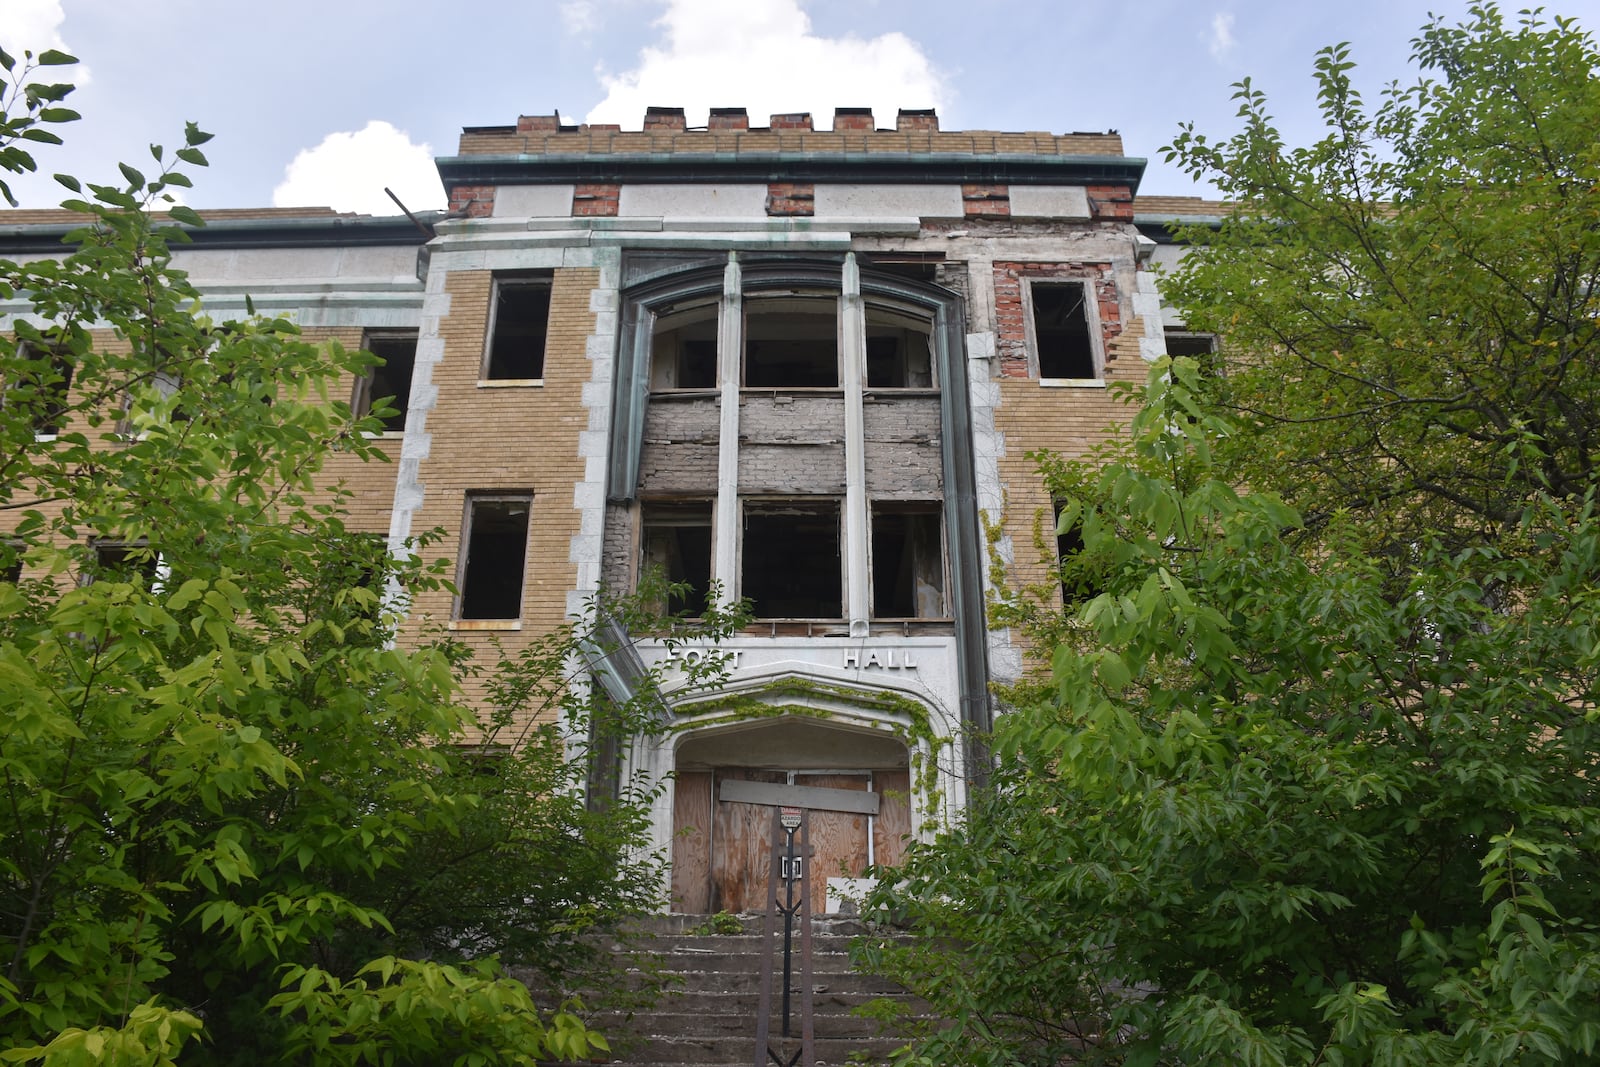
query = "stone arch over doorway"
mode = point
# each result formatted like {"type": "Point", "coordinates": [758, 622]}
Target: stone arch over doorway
{"type": "Point", "coordinates": [873, 746]}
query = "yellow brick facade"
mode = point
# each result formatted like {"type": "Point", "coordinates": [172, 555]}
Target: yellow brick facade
{"type": "Point", "coordinates": [519, 439]}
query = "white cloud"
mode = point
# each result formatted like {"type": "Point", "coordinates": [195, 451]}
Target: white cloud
{"type": "Point", "coordinates": [580, 17]}
{"type": "Point", "coordinates": [35, 26]}
{"type": "Point", "coordinates": [762, 55]}
{"type": "Point", "coordinates": [1221, 41]}
{"type": "Point", "coordinates": [348, 172]}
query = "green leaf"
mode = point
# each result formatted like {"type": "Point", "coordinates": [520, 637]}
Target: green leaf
{"type": "Point", "coordinates": [185, 215]}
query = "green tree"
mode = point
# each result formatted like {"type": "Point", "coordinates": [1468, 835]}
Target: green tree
{"type": "Point", "coordinates": [229, 804]}
{"type": "Point", "coordinates": [1421, 338]}
{"type": "Point", "coordinates": [1313, 781]}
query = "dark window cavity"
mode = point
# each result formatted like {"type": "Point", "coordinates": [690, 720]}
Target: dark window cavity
{"type": "Point", "coordinates": [899, 350]}
{"type": "Point", "coordinates": [390, 382]}
{"type": "Point", "coordinates": [119, 561]}
{"type": "Point", "coordinates": [1200, 347]}
{"type": "Point", "coordinates": [496, 556]}
{"type": "Point", "coordinates": [907, 562]}
{"type": "Point", "coordinates": [791, 565]}
{"type": "Point", "coordinates": [519, 319]}
{"type": "Point", "coordinates": [683, 349]}
{"type": "Point", "coordinates": [1061, 331]}
{"type": "Point", "coordinates": [791, 343]}
{"type": "Point", "coordinates": [1079, 582]}
{"type": "Point", "coordinates": [40, 387]}
{"type": "Point", "coordinates": [677, 542]}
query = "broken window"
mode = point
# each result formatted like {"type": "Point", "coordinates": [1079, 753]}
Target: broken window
{"type": "Point", "coordinates": [493, 565]}
{"type": "Point", "coordinates": [126, 561]}
{"type": "Point", "coordinates": [676, 540]}
{"type": "Point", "coordinates": [40, 387]}
{"type": "Point", "coordinates": [683, 349]}
{"type": "Point", "coordinates": [1061, 330]}
{"type": "Point", "coordinates": [791, 566]}
{"type": "Point", "coordinates": [391, 381]}
{"type": "Point", "coordinates": [1200, 347]}
{"type": "Point", "coordinates": [907, 562]}
{"type": "Point", "coordinates": [1079, 582]}
{"type": "Point", "coordinates": [791, 342]}
{"type": "Point", "coordinates": [519, 318]}
{"type": "Point", "coordinates": [899, 350]}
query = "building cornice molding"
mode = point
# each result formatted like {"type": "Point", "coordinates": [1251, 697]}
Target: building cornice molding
{"type": "Point", "coordinates": [847, 167]}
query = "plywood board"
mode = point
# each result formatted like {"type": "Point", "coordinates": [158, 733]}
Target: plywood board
{"type": "Point", "coordinates": [892, 828]}
{"type": "Point", "coordinates": [743, 844]}
{"type": "Point", "coordinates": [691, 842]}
{"type": "Point", "coordinates": [853, 799]}
{"type": "Point", "coordinates": [838, 838]}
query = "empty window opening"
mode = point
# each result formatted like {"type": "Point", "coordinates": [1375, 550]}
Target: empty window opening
{"type": "Point", "coordinates": [907, 562]}
{"type": "Point", "coordinates": [123, 561]}
{"type": "Point", "coordinates": [1079, 582]}
{"type": "Point", "coordinates": [40, 387]}
{"type": "Point", "coordinates": [899, 350]}
{"type": "Point", "coordinates": [677, 542]}
{"type": "Point", "coordinates": [519, 320]}
{"type": "Point", "coordinates": [1061, 330]}
{"type": "Point", "coordinates": [1200, 347]}
{"type": "Point", "coordinates": [791, 343]}
{"type": "Point", "coordinates": [683, 349]}
{"type": "Point", "coordinates": [391, 381]}
{"type": "Point", "coordinates": [791, 563]}
{"type": "Point", "coordinates": [497, 553]}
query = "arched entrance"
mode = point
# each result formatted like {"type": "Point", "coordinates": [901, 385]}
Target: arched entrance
{"type": "Point", "coordinates": [855, 780]}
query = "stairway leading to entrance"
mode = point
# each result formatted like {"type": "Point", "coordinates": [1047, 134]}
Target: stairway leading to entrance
{"type": "Point", "coordinates": [707, 1015]}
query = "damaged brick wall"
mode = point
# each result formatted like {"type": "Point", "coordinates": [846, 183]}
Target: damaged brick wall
{"type": "Point", "coordinates": [1011, 311]}
{"type": "Point", "coordinates": [680, 445]}
{"type": "Point", "coordinates": [791, 445]}
{"type": "Point", "coordinates": [903, 456]}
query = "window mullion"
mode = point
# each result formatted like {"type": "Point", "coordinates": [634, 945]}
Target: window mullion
{"type": "Point", "coordinates": [725, 539]}
{"type": "Point", "coordinates": [852, 348]}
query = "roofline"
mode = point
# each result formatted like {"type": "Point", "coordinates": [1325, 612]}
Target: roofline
{"type": "Point", "coordinates": [309, 232]}
{"type": "Point", "coordinates": [1158, 227]}
{"type": "Point", "coordinates": [920, 168]}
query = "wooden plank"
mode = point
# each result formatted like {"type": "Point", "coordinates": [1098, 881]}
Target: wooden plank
{"type": "Point", "coordinates": [892, 828]}
{"type": "Point", "coordinates": [838, 837]}
{"type": "Point", "coordinates": [691, 842]}
{"type": "Point", "coordinates": [817, 798]}
{"type": "Point", "coordinates": [743, 843]}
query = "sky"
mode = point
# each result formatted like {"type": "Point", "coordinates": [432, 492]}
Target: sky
{"type": "Point", "coordinates": [326, 102]}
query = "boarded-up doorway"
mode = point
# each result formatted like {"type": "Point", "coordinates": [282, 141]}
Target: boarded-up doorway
{"type": "Point", "coordinates": [721, 848]}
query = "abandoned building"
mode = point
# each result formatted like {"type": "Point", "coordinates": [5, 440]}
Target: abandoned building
{"type": "Point", "coordinates": [793, 365]}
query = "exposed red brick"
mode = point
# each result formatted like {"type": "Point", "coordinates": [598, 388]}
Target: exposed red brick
{"type": "Point", "coordinates": [538, 123]}
{"type": "Point", "coordinates": [596, 199]}
{"type": "Point", "coordinates": [1010, 313]}
{"type": "Point", "coordinates": [917, 120]}
{"type": "Point", "coordinates": [1111, 202]}
{"type": "Point", "coordinates": [601, 127]}
{"type": "Point", "coordinates": [728, 118]}
{"type": "Point", "coordinates": [793, 120]}
{"type": "Point", "coordinates": [791, 198]}
{"type": "Point", "coordinates": [665, 118]}
{"type": "Point", "coordinates": [981, 201]}
{"type": "Point", "coordinates": [852, 118]}
{"type": "Point", "coordinates": [473, 201]}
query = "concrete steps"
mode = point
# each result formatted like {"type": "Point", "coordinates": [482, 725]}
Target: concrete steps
{"type": "Point", "coordinates": [708, 1013]}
